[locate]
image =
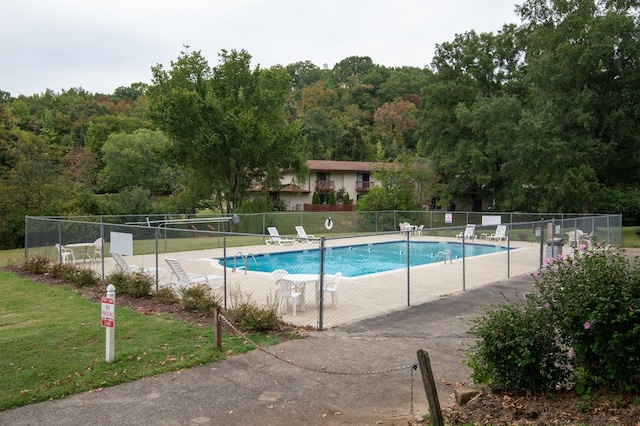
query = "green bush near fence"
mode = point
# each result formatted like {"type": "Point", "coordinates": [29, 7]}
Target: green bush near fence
{"type": "Point", "coordinates": [135, 285]}
{"type": "Point", "coordinates": [589, 303]}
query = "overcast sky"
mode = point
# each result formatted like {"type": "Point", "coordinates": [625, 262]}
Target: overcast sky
{"type": "Point", "coordinates": [101, 45]}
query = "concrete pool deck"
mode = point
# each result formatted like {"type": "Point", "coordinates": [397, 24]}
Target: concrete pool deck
{"type": "Point", "coordinates": [358, 297]}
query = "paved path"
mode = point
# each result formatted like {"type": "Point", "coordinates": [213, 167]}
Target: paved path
{"type": "Point", "coordinates": [258, 388]}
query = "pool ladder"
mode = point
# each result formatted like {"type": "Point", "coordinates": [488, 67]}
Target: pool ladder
{"type": "Point", "coordinates": [245, 261]}
{"type": "Point", "coordinates": [442, 255]}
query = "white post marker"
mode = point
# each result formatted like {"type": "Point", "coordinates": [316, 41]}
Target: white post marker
{"type": "Point", "coordinates": [108, 321]}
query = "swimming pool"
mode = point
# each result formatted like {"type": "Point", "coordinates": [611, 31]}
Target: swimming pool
{"type": "Point", "coordinates": [356, 260]}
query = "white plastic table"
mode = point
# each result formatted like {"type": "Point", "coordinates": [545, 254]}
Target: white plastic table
{"type": "Point", "coordinates": [85, 254]}
{"type": "Point", "coordinates": [301, 281]}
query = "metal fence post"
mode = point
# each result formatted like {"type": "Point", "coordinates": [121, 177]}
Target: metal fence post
{"type": "Point", "coordinates": [157, 235]}
{"type": "Point", "coordinates": [541, 241]}
{"type": "Point", "coordinates": [320, 301]}
{"type": "Point", "coordinates": [224, 262]}
{"type": "Point", "coordinates": [464, 283]}
{"type": "Point", "coordinates": [509, 250]}
{"type": "Point", "coordinates": [26, 237]}
{"type": "Point", "coordinates": [60, 240]}
{"type": "Point", "coordinates": [408, 268]}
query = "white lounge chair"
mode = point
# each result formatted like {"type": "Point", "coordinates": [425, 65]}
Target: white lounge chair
{"type": "Point", "coordinates": [303, 236]}
{"type": "Point", "coordinates": [275, 238]}
{"type": "Point", "coordinates": [182, 278]}
{"type": "Point", "coordinates": [500, 234]}
{"type": "Point", "coordinates": [127, 268]}
{"type": "Point", "coordinates": [469, 233]}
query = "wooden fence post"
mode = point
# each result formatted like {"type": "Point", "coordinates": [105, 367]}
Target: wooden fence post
{"type": "Point", "coordinates": [430, 388]}
{"type": "Point", "coordinates": [217, 327]}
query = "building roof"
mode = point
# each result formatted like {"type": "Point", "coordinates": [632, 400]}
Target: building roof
{"type": "Point", "coordinates": [342, 166]}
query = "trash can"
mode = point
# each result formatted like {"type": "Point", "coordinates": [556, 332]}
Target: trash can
{"type": "Point", "coordinates": [554, 247]}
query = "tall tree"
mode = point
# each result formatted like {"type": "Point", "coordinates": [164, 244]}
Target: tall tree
{"type": "Point", "coordinates": [582, 73]}
{"type": "Point", "coordinates": [137, 159]}
{"type": "Point", "coordinates": [394, 123]}
{"type": "Point", "coordinates": [228, 123]}
{"type": "Point", "coordinates": [467, 103]}
{"type": "Point", "coordinates": [34, 180]}
{"type": "Point", "coordinates": [407, 184]}
{"type": "Point", "coordinates": [304, 74]}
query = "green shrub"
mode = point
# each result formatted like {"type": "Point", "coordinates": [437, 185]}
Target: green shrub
{"type": "Point", "coordinates": [332, 200]}
{"type": "Point", "coordinates": [165, 296]}
{"type": "Point", "coordinates": [315, 198]}
{"type": "Point", "coordinates": [253, 318]}
{"type": "Point", "coordinates": [37, 264]}
{"type": "Point", "coordinates": [118, 279]}
{"type": "Point", "coordinates": [518, 349]}
{"type": "Point", "coordinates": [138, 285]}
{"type": "Point", "coordinates": [135, 285]}
{"type": "Point", "coordinates": [594, 299]}
{"type": "Point", "coordinates": [73, 274]}
{"type": "Point", "coordinates": [589, 303]}
{"type": "Point", "coordinates": [199, 298]}
{"type": "Point", "coordinates": [249, 316]}
{"type": "Point", "coordinates": [59, 270]}
{"type": "Point", "coordinates": [80, 277]}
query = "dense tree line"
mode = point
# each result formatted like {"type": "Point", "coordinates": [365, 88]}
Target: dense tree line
{"type": "Point", "coordinates": [540, 116]}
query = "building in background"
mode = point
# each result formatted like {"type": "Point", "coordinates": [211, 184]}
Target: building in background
{"type": "Point", "coordinates": [343, 177]}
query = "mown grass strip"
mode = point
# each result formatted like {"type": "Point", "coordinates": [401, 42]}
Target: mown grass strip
{"type": "Point", "coordinates": [52, 343]}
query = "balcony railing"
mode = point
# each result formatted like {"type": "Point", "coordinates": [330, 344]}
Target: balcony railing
{"type": "Point", "coordinates": [364, 185]}
{"type": "Point", "coordinates": [325, 185]}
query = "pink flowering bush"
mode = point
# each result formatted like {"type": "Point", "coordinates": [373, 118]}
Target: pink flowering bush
{"type": "Point", "coordinates": [594, 301]}
{"type": "Point", "coordinates": [587, 304]}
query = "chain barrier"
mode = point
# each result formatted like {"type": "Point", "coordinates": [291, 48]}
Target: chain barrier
{"type": "Point", "coordinates": [412, 367]}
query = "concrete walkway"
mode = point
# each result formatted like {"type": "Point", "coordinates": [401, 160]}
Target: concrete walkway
{"type": "Point", "coordinates": [355, 374]}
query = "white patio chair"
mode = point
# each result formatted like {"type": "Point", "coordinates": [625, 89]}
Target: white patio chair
{"type": "Point", "coordinates": [288, 292]}
{"type": "Point", "coordinates": [64, 254]}
{"type": "Point", "coordinates": [575, 237]}
{"type": "Point", "coordinates": [404, 227]}
{"type": "Point", "coordinates": [331, 286]}
{"type": "Point", "coordinates": [97, 250]}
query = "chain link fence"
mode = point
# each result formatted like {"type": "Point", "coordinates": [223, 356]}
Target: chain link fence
{"type": "Point", "coordinates": [364, 264]}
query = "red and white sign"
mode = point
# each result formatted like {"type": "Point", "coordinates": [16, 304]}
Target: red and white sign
{"type": "Point", "coordinates": [108, 312]}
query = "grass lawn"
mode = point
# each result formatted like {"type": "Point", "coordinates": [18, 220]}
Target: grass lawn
{"type": "Point", "coordinates": [52, 343]}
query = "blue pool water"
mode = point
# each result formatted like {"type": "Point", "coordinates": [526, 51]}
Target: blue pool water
{"type": "Point", "coordinates": [358, 260]}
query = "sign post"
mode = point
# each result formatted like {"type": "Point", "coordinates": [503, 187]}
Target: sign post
{"type": "Point", "coordinates": [108, 321]}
